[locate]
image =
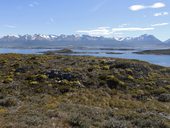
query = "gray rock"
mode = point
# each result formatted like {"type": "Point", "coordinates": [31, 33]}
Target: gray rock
{"type": "Point", "coordinates": [61, 75]}
{"type": "Point", "coordinates": [164, 98]}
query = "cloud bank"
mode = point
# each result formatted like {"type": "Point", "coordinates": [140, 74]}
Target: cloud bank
{"type": "Point", "coordinates": [161, 14]}
{"type": "Point", "coordinates": [141, 7]}
{"type": "Point", "coordinates": [160, 24]}
{"type": "Point", "coordinates": [9, 26]}
{"type": "Point", "coordinates": [100, 31]}
{"type": "Point", "coordinates": [107, 31]}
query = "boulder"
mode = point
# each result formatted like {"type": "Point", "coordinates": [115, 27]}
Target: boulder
{"type": "Point", "coordinates": [164, 98]}
{"type": "Point", "coordinates": [59, 74]}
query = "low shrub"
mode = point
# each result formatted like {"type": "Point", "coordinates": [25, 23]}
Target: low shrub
{"type": "Point", "coordinates": [113, 123]}
{"type": "Point", "coordinates": [159, 91]}
{"type": "Point", "coordinates": [130, 77]}
{"type": "Point", "coordinates": [8, 102]}
{"type": "Point", "coordinates": [41, 77]}
{"type": "Point", "coordinates": [2, 110]}
{"type": "Point", "coordinates": [33, 83]}
{"type": "Point", "coordinates": [115, 83]}
{"type": "Point", "coordinates": [77, 120]}
{"type": "Point", "coordinates": [8, 80]}
{"type": "Point", "coordinates": [106, 67]}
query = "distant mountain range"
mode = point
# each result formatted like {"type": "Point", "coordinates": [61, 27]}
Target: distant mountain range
{"type": "Point", "coordinates": [168, 41]}
{"type": "Point", "coordinates": [54, 41]}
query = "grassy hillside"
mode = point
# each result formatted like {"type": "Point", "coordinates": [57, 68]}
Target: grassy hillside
{"type": "Point", "coordinates": [51, 91]}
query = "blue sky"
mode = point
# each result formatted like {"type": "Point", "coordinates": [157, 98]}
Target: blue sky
{"type": "Point", "coordinates": [108, 18]}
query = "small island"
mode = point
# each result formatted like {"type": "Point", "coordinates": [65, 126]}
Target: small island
{"type": "Point", "coordinates": [155, 52]}
{"type": "Point", "coordinates": [121, 49]}
{"type": "Point", "coordinates": [69, 51]}
{"type": "Point", "coordinates": [113, 53]}
{"type": "Point", "coordinates": [52, 52]}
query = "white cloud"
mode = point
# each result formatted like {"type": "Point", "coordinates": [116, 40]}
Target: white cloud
{"type": "Point", "coordinates": [100, 31]}
{"type": "Point", "coordinates": [136, 7]}
{"type": "Point", "coordinates": [158, 5]}
{"type": "Point", "coordinates": [161, 14]}
{"type": "Point", "coordinates": [165, 13]}
{"type": "Point", "coordinates": [107, 31]}
{"type": "Point", "coordinates": [123, 25]}
{"type": "Point", "coordinates": [160, 24]}
{"type": "Point", "coordinates": [141, 7]}
{"type": "Point", "coordinates": [103, 27]}
{"type": "Point", "coordinates": [10, 26]}
{"type": "Point", "coordinates": [118, 35]}
{"type": "Point", "coordinates": [158, 14]}
{"type": "Point", "coordinates": [131, 29]}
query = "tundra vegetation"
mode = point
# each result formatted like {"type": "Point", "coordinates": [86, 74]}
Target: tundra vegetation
{"type": "Point", "coordinates": [53, 91]}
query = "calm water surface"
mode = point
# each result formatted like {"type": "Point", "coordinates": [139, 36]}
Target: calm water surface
{"type": "Point", "coordinates": [163, 60]}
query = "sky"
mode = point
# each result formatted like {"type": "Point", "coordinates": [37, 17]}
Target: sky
{"type": "Point", "coordinates": [108, 18]}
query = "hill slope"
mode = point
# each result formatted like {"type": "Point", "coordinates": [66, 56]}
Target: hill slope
{"type": "Point", "coordinates": [63, 91]}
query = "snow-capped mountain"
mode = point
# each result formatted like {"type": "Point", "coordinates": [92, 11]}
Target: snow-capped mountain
{"type": "Point", "coordinates": [40, 37]}
{"type": "Point", "coordinates": [9, 38]}
{"type": "Point", "coordinates": [76, 37]}
{"type": "Point", "coordinates": [143, 38]}
{"type": "Point", "coordinates": [167, 41]}
{"type": "Point", "coordinates": [50, 41]}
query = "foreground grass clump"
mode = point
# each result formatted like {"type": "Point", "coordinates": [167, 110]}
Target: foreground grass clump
{"type": "Point", "coordinates": [84, 92]}
{"type": "Point", "coordinates": [113, 82]}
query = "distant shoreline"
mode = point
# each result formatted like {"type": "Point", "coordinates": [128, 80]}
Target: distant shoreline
{"type": "Point", "coordinates": [155, 52]}
{"type": "Point", "coordinates": [69, 51]}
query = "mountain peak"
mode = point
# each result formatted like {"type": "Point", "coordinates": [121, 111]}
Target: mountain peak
{"type": "Point", "coordinates": [167, 41]}
{"type": "Point", "coordinates": [41, 40]}
{"type": "Point", "coordinates": [142, 38]}
{"type": "Point", "coordinates": [43, 37]}
{"type": "Point", "coordinates": [146, 35]}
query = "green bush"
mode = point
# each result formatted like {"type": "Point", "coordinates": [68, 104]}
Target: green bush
{"type": "Point", "coordinates": [8, 80]}
{"type": "Point", "coordinates": [77, 120]}
{"type": "Point", "coordinates": [113, 123]}
{"type": "Point", "coordinates": [130, 77]}
{"type": "Point", "coordinates": [68, 69]}
{"type": "Point", "coordinates": [114, 82]}
{"type": "Point", "coordinates": [4, 61]}
{"type": "Point", "coordinates": [41, 77]}
{"type": "Point", "coordinates": [8, 102]}
{"type": "Point", "coordinates": [159, 91]}
{"type": "Point", "coordinates": [129, 71]}
{"type": "Point", "coordinates": [106, 67]}
{"type": "Point", "coordinates": [33, 83]}
{"type": "Point", "coordinates": [167, 87]}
